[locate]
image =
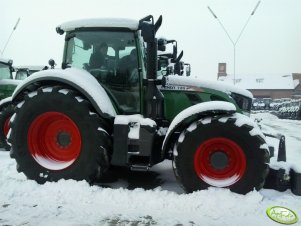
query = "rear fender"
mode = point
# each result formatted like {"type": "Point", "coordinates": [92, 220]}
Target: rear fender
{"type": "Point", "coordinates": [79, 80]}
{"type": "Point", "coordinates": [193, 113]}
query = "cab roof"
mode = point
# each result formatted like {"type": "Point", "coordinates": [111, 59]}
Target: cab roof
{"type": "Point", "coordinates": [99, 23]}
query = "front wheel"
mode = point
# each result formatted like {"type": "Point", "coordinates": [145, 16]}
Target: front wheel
{"type": "Point", "coordinates": [55, 135]}
{"type": "Point", "coordinates": [226, 153]}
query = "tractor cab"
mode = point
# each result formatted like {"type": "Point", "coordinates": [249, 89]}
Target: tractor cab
{"type": "Point", "coordinates": [119, 68]}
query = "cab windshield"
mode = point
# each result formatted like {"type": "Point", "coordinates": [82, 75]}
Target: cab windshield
{"type": "Point", "coordinates": [22, 74]}
{"type": "Point", "coordinates": [112, 58]}
{"type": "Point", "coordinates": [5, 71]}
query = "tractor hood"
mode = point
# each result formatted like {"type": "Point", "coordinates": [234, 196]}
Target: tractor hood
{"type": "Point", "coordinates": [188, 83]}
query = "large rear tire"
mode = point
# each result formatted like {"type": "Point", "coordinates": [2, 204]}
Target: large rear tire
{"type": "Point", "coordinates": [55, 135]}
{"type": "Point", "coordinates": [221, 153]}
{"type": "Point", "coordinates": [5, 116]}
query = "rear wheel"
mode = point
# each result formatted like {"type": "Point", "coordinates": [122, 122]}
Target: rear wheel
{"type": "Point", "coordinates": [5, 116]}
{"type": "Point", "coordinates": [56, 136]}
{"type": "Point", "coordinates": [222, 153]}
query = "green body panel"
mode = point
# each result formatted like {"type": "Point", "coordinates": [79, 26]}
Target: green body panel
{"type": "Point", "coordinates": [6, 90]}
{"type": "Point", "coordinates": [6, 87]}
{"type": "Point", "coordinates": [176, 101]}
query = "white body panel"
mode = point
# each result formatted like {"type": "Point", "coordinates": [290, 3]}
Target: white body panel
{"type": "Point", "coordinates": [78, 77]}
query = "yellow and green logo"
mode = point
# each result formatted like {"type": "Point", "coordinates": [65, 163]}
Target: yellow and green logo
{"type": "Point", "coordinates": [282, 215]}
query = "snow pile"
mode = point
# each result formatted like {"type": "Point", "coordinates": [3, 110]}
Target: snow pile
{"type": "Point", "coordinates": [141, 198]}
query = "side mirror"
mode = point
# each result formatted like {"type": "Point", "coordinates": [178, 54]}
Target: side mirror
{"type": "Point", "coordinates": [161, 48]}
{"type": "Point", "coordinates": [162, 44]}
{"type": "Point", "coordinates": [148, 28]}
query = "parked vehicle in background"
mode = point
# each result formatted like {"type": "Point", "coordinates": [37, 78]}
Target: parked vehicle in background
{"type": "Point", "coordinates": [295, 106]}
{"type": "Point", "coordinates": [7, 84]}
{"type": "Point", "coordinates": [23, 72]}
{"type": "Point", "coordinates": [267, 102]}
{"type": "Point", "coordinates": [258, 104]}
{"type": "Point", "coordinates": [274, 105]}
{"type": "Point", "coordinates": [290, 110]}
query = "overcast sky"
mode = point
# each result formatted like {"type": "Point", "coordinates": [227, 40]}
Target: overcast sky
{"type": "Point", "coordinates": [270, 44]}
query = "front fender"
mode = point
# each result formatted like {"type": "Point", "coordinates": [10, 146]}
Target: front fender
{"type": "Point", "coordinates": [185, 117]}
{"type": "Point", "coordinates": [78, 79]}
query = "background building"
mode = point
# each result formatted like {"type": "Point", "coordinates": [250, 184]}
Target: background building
{"type": "Point", "coordinates": [265, 86]}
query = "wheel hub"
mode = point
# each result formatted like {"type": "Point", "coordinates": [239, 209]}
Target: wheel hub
{"type": "Point", "coordinates": [63, 139]}
{"type": "Point", "coordinates": [54, 140]}
{"type": "Point", "coordinates": [219, 160]}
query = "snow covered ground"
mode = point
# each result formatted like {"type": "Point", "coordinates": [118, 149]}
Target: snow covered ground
{"type": "Point", "coordinates": [142, 198]}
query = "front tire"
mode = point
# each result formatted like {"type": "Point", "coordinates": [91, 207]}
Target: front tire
{"type": "Point", "coordinates": [55, 136]}
{"type": "Point", "coordinates": [221, 153]}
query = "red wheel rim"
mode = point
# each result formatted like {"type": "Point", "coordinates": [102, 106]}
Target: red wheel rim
{"type": "Point", "coordinates": [229, 168]}
{"type": "Point", "coordinates": [54, 140]}
{"type": "Point", "coordinates": [6, 126]}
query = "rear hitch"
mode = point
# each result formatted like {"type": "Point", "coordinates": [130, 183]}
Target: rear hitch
{"type": "Point", "coordinates": [278, 180]}
{"type": "Point", "coordinates": [281, 179]}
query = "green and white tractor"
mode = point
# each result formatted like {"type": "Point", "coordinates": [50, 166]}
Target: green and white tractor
{"type": "Point", "coordinates": [76, 122]}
